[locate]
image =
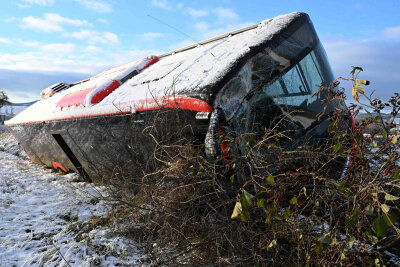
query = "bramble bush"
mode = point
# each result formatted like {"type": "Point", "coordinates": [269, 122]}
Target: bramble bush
{"type": "Point", "coordinates": [332, 201]}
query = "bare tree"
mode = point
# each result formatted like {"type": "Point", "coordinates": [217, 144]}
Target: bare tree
{"type": "Point", "coordinates": [3, 98]}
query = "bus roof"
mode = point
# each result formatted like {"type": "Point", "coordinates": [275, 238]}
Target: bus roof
{"type": "Point", "coordinates": [189, 71]}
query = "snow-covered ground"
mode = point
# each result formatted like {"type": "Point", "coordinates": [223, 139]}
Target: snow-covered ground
{"type": "Point", "coordinates": [48, 219]}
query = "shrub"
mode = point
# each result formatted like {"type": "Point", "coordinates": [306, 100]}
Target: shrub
{"type": "Point", "coordinates": [331, 201]}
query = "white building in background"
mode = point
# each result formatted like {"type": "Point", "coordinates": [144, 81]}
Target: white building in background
{"type": "Point", "coordinates": [5, 114]}
{"type": "Point", "coordinates": [9, 110]}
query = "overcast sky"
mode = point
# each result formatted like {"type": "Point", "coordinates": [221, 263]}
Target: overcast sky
{"type": "Point", "coordinates": [45, 41]}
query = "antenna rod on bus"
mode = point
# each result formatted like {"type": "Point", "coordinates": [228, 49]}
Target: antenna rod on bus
{"type": "Point", "coordinates": [172, 27]}
{"type": "Point", "coordinates": [176, 29]}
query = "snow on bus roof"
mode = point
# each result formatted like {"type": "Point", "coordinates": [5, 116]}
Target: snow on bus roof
{"type": "Point", "coordinates": [186, 69]}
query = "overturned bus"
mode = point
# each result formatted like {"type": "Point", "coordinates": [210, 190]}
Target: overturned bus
{"type": "Point", "coordinates": [244, 76]}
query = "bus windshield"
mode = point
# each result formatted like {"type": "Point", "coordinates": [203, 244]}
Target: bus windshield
{"type": "Point", "coordinates": [297, 86]}
{"type": "Point", "coordinates": [291, 93]}
{"type": "Point", "coordinates": [282, 78]}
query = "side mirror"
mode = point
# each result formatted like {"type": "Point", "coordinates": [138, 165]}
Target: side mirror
{"type": "Point", "coordinates": [212, 148]}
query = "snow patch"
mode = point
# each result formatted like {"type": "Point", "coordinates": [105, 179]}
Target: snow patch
{"type": "Point", "coordinates": [43, 216]}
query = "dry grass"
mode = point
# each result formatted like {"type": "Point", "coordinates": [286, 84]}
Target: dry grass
{"type": "Point", "coordinates": [297, 207]}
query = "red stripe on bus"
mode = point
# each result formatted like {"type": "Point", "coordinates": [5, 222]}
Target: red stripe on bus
{"type": "Point", "coordinates": [170, 102]}
{"type": "Point", "coordinates": [103, 93]}
{"type": "Point", "coordinates": [153, 60]}
{"type": "Point", "coordinates": [75, 98]}
{"type": "Point", "coordinates": [174, 102]}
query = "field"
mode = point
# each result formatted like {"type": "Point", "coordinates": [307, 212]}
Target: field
{"type": "Point", "coordinates": [258, 204]}
{"type": "Point", "coordinates": [52, 220]}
